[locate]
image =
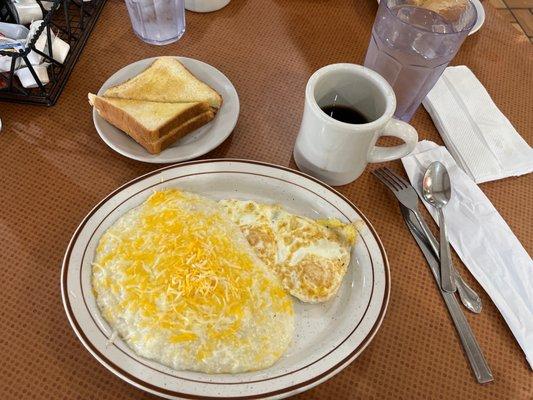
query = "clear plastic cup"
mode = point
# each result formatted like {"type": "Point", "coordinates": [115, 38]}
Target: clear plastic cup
{"type": "Point", "coordinates": [410, 47]}
{"type": "Point", "coordinates": [157, 21]}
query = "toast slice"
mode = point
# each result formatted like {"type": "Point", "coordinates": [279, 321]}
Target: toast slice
{"type": "Point", "coordinates": [448, 9]}
{"type": "Point", "coordinates": [155, 126]}
{"type": "Point", "coordinates": [168, 81]}
{"type": "Point", "coordinates": [148, 120]}
{"type": "Point", "coordinates": [158, 146]}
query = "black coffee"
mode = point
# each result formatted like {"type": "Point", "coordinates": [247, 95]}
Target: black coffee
{"type": "Point", "coordinates": [345, 114]}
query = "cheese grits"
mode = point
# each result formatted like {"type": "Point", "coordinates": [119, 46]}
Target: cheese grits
{"type": "Point", "coordinates": [179, 283]}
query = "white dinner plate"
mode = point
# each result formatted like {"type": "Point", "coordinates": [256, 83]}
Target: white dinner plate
{"type": "Point", "coordinates": [480, 16]}
{"type": "Point", "coordinates": [328, 336]}
{"type": "Point", "coordinates": [196, 143]}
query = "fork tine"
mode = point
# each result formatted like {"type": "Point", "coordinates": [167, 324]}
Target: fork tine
{"type": "Point", "coordinates": [403, 184]}
{"type": "Point", "coordinates": [376, 173]}
{"type": "Point", "coordinates": [393, 186]}
{"type": "Point", "coordinates": [386, 180]}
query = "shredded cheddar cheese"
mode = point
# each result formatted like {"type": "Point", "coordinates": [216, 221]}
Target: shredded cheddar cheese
{"type": "Point", "coordinates": [181, 285]}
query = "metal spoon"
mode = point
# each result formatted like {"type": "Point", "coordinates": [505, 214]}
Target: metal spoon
{"type": "Point", "coordinates": [468, 296]}
{"type": "Point", "coordinates": [437, 192]}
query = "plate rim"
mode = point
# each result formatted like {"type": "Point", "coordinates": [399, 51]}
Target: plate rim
{"type": "Point", "coordinates": [289, 390]}
{"type": "Point", "coordinates": [480, 17]}
{"type": "Point", "coordinates": [155, 160]}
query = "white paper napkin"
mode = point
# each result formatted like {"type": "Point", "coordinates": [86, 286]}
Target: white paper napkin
{"type": "Point", "coordinates": [480, 138]}
{"type": "Point", "coordinates": [483, 241]}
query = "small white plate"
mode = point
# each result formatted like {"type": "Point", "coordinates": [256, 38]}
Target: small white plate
{"type": "Point", "coordinates": [480, 16]}
{"type": "Point", "coordinates": [193, 145]}
{"type": "Point", "coordinates": [205, 6]}
{"type": "Point", "coordinates": [328, 336]}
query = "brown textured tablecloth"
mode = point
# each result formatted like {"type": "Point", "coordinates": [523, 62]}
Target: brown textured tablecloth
{"type": "Point", "coordinates": [54, 168]}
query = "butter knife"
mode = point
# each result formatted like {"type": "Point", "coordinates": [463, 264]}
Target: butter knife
{"type": "Point", "coordinates": [471, 347]}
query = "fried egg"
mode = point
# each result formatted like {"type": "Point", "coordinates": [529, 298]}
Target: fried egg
{"type": "Point", "coordinates": [309, 257]}
{"type": "Point", "coordinates": [179, 283]}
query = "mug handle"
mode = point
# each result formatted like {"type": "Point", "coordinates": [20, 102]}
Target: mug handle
{"type": "Point", "coordinates": [400, 130]}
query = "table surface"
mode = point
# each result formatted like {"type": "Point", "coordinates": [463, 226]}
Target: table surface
{"type": "Point", "coordinates": [54, 168]}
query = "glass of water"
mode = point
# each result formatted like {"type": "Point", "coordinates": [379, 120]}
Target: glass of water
{"type": "Point", "coordinates": [157, 21]}
{"type": "Point", "coordinates": [411, 46]}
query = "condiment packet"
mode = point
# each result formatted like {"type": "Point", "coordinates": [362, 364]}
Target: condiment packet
{"type": "Point", "coordinates": [11, 46]}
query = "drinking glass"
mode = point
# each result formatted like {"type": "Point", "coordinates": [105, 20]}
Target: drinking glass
{"type": "Point", "coordinates": [157, 21]}
{"type": "Point", "coordinates": [411, 46]}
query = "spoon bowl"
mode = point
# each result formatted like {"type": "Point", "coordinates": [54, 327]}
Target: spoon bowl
{"type": "Point", "coordinates": [437, 191]}
{"type": "Point", "coordinates": [436, 185]}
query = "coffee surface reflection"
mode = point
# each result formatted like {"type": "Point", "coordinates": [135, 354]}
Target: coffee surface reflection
{"type": "Point", "coordinates": [345, 114]}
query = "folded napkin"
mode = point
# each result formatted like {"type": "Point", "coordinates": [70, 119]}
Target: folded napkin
{"type": "Point", "coordinates": [480, 138]}
{"type": "Point", "coordinates": [483, 241]}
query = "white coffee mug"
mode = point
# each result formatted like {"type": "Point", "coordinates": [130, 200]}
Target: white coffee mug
{"type": "Point", "coordinates": [337, 152]}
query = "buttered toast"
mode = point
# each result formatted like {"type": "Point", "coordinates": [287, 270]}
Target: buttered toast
{"type": "Point", "coordinates": [168, 81]}
{"type": "Point", "coordinates": [449, 9]}
{"type": "Point", "coordinates": [159, 145]}
{"type": "Point", "coordinates": [154, 125]}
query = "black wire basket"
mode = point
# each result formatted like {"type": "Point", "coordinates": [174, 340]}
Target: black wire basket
{"type": "Point", "coordinates": [70, 20]}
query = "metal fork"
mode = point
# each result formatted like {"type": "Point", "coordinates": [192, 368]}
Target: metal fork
{"type": "Point", "coordinates": [408, 197]}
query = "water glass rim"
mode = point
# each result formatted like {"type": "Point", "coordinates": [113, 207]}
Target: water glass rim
{"type": "Point", "coordinates": [467, 28]}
